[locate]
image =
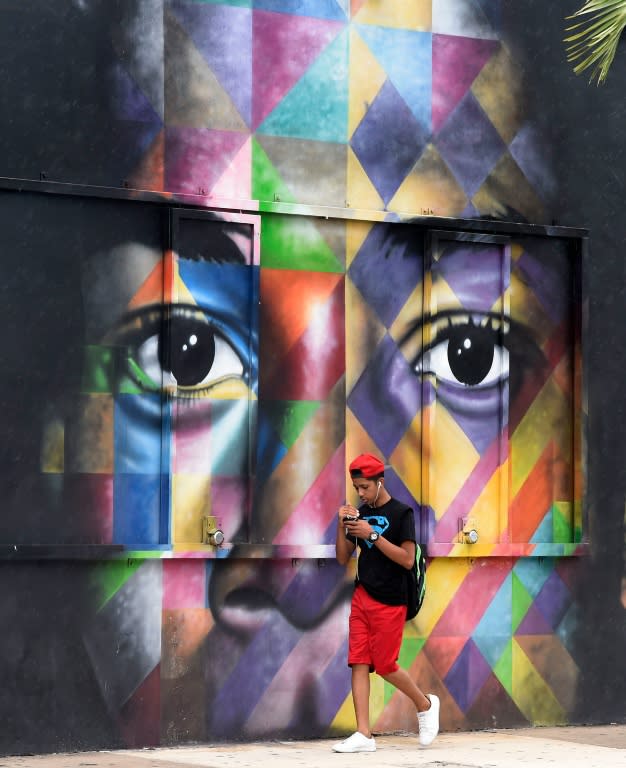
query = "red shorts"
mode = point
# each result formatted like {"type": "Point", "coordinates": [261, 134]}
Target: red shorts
{"type": "Point", "coordinates": [375, 633]}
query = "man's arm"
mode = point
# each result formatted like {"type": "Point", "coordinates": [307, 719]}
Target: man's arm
{"type": "Point", "coordinates": [344, 547]}
{"type": "Point", "coordinates": [404, 554]}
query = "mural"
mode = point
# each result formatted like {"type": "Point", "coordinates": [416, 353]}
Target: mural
{"type": "Point", "coordinates": [306, 261]}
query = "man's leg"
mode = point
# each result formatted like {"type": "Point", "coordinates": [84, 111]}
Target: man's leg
{"type": "Point", "coordinates": [361, 697]}
{"type": "Point", "coordinates": [401, 680]}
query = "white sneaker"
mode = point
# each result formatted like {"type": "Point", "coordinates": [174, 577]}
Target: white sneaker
{"type": "Point", "coordinates": [356, 743]}
{"type": "Point", "coordinates": [428, 721]}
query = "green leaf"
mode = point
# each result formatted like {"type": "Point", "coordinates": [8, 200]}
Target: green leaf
{"type": "Point", "coordinates": [593, 41]}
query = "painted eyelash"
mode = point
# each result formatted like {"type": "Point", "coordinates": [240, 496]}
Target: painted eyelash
{"type": "Point", "coordinates": [455, 317]}
{"type": "Point", "coordinates": [138, 325]}
{"type": "Point", "coordinates": [498, 326]}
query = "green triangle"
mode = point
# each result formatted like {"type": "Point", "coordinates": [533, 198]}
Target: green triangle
{"type": "Point", "coordinates": [267, 183]}
{"type": "Point", "coordinates": [411, 646]}
{"type": "Point", "coordinates": [294, 242]}
{"type": "Point", "coordinates": [562, 528]}
{"type": "Point", "coordinates": [98, 367]}
{"type": "Point", "coordinates": [521, 602]}
{"type": "Point", "coordinates": [110, 576]}
{"type": "Point", "coordinates": [317, 106]}
{"type": "Point", "coordinates": [503, 669]}
{"type": "Point", "coordinates": [290, 417]}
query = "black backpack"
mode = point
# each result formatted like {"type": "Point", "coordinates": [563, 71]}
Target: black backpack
{"type": "Point", "coordinates": [416, 584]}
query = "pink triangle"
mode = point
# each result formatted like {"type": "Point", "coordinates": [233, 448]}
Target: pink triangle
{"type": "Point", "coordinates": [469, 603]}
{"type": "Point", "coordinates": [195, 158]}
{"type": "Point", "coordinates": [456, 64]}
{"type": "Point", "coordinates": [236, 181]}
{"type": "Point", "coordinates": [309, 521]}
{"type": "Point", "coordinates": [283, 48]}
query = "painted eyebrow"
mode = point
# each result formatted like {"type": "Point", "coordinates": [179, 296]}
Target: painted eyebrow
{"type": "Point", "coordinates": [216, 247]}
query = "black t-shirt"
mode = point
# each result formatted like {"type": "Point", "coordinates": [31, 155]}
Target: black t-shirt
{"type": "Point", "coordinates": [383, 579]}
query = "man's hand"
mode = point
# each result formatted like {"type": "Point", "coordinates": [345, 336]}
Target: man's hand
{"type": "Point", "coordinates": [347, 510]}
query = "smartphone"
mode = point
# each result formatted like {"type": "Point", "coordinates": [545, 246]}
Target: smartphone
{"type": "Point", "coordinates": [349, 518]}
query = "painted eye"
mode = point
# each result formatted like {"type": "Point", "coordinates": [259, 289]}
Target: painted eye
{"type": "Point", "coordinates": [180, 347]}
{"type": "Point", "coordinates": [466, 354]}
{"type": "Point", "coordinates": [470, 356]}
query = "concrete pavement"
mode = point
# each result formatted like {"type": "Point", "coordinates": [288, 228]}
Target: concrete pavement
{"type": "Point", "coordinates": [573, 747]}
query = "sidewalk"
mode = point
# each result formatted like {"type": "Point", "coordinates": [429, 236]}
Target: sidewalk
{"type": "Point", "coordinates": [574, 747]}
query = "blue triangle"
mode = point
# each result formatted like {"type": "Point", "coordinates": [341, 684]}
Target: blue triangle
{"type": "Point", "coordinates": [533, 573]}
{"type": "Point", "coordinates": [316, 108]}
{"type": "Point", "coordinates": [493, 632]}
{"type": "Point", "coordinates": [406, 57]}
{"type": "Point", "coordinates": [544, 532]}
{"type": "Point", "coordinates": [131, 102]}
{"type": "Point", "coordinates": [321, 9]}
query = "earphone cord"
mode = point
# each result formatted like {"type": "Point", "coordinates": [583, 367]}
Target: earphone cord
{"type": "Point", "coordinates": [373, 505]}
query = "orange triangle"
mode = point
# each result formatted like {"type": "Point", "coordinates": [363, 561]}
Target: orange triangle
{"type": "Point", "coordinates": [160, 285]}
{"type": "Point", "coordinates": [533, 499]}
{"type": "Point", "coordinates": [150, 174]}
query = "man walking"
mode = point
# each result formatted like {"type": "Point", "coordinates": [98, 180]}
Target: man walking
{"type": "Point", "coordinates": [384, 530]}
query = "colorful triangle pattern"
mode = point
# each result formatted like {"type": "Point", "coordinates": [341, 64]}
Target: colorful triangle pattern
{"type": "Point", "coordinates": [332, 72]}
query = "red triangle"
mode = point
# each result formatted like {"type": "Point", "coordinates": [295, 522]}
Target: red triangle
{"type": "Point", "coordinates": [456, 64]}
{"type": "Point", "coordinates": [442, 652]}
{"type": "Point", "coordinates": [140, 718]}
{"type": "Point", "coordinates": [283, 48]}
{"type": "Point", "coordinates": [287, 298]}
{"type": "Point", "coordinates": [314, 364]}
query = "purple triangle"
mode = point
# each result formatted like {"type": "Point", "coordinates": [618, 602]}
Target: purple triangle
{"type": "Point", "coordinates": [387, 396]}
{"type": "Point", "coordinates": [223, 35]}
{"type": "Point", "coordinates": [470, 144]}
{"type": "Point", "coordinates": [398, 258]}
{"type": "Point", "coordinates": [546, 272]}
{"type": "Point", "coordinates": [480, 412]}
{"type": "Point", "coordinates": [534, 623]}
{"type": "Point", "coordinates": [474, 271]}
{"type": "Point", "coordinates": [554, 600]}
{"type": "Point", "coordinates": [467, 675]}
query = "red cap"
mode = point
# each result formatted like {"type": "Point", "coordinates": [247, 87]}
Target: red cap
{"type": "Point", "coordinates": [367, 465]}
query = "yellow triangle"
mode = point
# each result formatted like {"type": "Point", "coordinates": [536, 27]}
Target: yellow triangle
{"type": "Point", "coordinates": [446, 478]}
{"type": "Point", "coordinates": [536, 430]}
{"type": "Point", "coordinates": [400, 14]}
{"type": "Point", "coordinates": [357, 441]}
{"type": "Point", "coordinates": [498, 89]}
{"type": "Point", "coordinates": [363, 332]}
{"type": "Point", "coordinates": [445, 577]}
{"type": "Point", "coordinates": [507, 187]}
{"type": "Point", "coordinates": [403, 325]}
{"type": "Point", "coordinates": [407, 457]}
{"type": "Point", "coordinates": [360, 192]}
{"type": "Point", "coordinates": [429, 189]}
{"type": "Point", "coordinates": [344, 719]}
{"type": "Point", "coordinates": [490, 510]}
{"type": "Point", "coordinates": [366, 79]}
{"type": "Point", "coordinates": [531, 694]}
{"type": "Point", "coordinates": [356, 232]}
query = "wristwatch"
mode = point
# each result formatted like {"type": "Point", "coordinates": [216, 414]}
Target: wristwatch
{"type": "Point", "coordinates": [373, 536]}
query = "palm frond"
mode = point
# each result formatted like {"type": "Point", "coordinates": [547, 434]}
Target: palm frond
{"type": "Point", "coordinates": [593, 39]}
